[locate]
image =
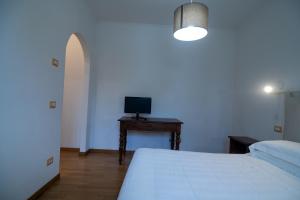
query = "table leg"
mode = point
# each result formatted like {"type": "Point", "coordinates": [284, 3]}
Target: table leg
{"type": "Point", "coordinates": [178, 140]}
{"type": "Point", "coordinates": [122, 144]}
{"type": "Point", "coordinates": [125, 143]}
{"type": "Point", "coordinates": [172, 140]}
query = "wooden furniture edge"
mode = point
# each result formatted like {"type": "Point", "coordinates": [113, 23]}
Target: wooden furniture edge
{"type": "Point", "coordinates": [69, 149]}
{"type": "Point", "coordinates": [105, 151]}
{"type": "Point", "coordinates": [243, 139]}
{"type": "Point", "coordinates": [39, 192]}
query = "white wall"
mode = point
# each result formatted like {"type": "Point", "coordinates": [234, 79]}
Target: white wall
{"type": "Point", "coordinates": [72, 110]}
{"type": "Point", "coordinates": [32, 32]}
{"type": "Point", "coordinates": [189, 81]}
{"type": "Point", "coordinates": [268, 53]}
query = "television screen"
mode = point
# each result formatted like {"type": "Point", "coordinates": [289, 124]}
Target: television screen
{"type": "Point", "coordinates": [137, 105]}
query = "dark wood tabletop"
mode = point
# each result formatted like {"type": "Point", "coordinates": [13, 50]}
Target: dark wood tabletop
{"type": "Point", "coordinates": [243, 140]}
{"type": "Point", "coordinates": [152, 120]}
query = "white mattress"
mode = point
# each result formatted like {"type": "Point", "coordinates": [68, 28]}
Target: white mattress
{"type": "Point", "coordinates": [177, 175]}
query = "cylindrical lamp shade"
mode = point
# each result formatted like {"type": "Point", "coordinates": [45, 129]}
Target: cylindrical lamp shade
{"type": "Point", "coordinates": [191, 21]}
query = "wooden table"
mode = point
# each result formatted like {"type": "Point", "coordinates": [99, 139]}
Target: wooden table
{"type": "Point", "coordinates": [149, 124]}
{"type": "Point", "coordinates": [240, 144]}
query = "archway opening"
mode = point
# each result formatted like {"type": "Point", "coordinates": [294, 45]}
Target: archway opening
{"type": "Point", "coordinates": [75, 98]}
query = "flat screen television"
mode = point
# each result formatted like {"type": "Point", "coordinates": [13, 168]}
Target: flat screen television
{"type": "Point", "coordinates": [137, 105]}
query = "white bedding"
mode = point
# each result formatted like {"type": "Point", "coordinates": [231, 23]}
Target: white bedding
{"type": "Point", "coordinates": [177, 175]}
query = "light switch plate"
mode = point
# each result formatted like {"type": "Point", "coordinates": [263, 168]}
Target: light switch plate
{"type": "Point", "coordinates": [55, 62]}
{"type": "Point", "coordinates": [278, 129]}
{"type": "Point", "coordinates": [49, 161]}
{"type": "Point", "coordinates": [52, 104]}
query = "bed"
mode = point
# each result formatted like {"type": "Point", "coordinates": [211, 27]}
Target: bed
{"type": "Point", "coordinates": [156, 174]}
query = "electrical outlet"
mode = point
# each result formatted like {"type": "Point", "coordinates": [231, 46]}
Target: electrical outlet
{"type": "Point", "coordinates": [52, 104]}
{"type": "Point", "coordinates": [55, 62]}
{"type": "Point", "coordinates": [50, 161]}
{"type": "Point", "coordinates": [278, 129]}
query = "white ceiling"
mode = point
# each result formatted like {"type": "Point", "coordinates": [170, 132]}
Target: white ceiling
{"type": "Point", "coordinates": [222, 13]}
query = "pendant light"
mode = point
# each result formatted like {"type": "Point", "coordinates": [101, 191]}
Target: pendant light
{"type": "Point", "coordinates": [191, 21]}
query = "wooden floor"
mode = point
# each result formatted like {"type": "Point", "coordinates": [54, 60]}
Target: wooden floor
{"type": "Point", "coordinates": [95, 176]}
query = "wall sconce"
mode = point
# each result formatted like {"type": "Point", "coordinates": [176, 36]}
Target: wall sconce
{"type": "Point", "coordinates": [268, 89]}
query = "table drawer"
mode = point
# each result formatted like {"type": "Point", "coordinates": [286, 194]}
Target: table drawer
{"type": "Point", "coordinates": [142, 126]}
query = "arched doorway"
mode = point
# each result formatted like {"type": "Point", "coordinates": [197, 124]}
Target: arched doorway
{"type": "Point", "coordinates": [75, 98]}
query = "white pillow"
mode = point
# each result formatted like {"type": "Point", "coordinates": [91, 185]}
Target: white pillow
{"type": "Point", "coordinates": [282, 164]}
{"type": "Point", "coordinates": [281, 149]}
